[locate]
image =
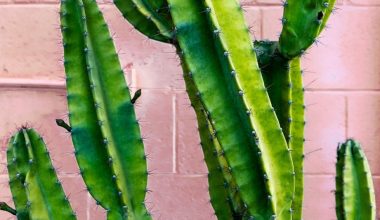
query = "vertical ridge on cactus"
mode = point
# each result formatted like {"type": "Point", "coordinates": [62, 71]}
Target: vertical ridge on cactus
{"type": "Point", "coordinates": [35, 187]}
{"type": "Point", "coordinates": [354, 196]}
{"type": "Point", "coordinates": [296, 133]}
{"type": "Point", "coordinates": [104, 125]}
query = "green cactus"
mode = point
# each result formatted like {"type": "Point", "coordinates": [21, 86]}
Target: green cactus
{"type": "Point", "coordinates": [247, 97]}
{"type": "Point", "coordinates": [105, 132]}
{"type": "Point", "coordinates": [36, 190]}
{"type": "Point", "coordinates": [302, 22]}
{"type": "Point", "coordinates": [354, 195]}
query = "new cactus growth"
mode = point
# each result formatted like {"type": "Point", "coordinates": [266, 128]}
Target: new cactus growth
{"type": "Point", "coordinates": [354, 195]}
{"type": "Point", "coordinates": [247, 97]}
{"type": "Point", "coordinates": [36, 190]}
{"type": "Point", "coordinates": [104, 129]}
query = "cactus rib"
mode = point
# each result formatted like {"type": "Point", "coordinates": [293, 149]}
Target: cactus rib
{"type": "Point", "coordinates": [296, 137]}
{"type": "Point", "coordinates": [355, 193]}
{"type": "Point", "coordinates": [227, 18]}
{"type": "Point", "coordinates": [102, 116]}
{"type": "Point", "coordinates": [193, 35]}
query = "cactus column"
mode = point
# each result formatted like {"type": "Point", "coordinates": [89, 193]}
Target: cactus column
{"type": "Point", "coordinates": [354, 195]}
{"type": "Point", "coordinates": [105, 132]}
{"type": "Point", "coordinates": [36, 190]}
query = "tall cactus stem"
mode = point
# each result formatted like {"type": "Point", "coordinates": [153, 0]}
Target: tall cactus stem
{"type": "Point", "coordinates": [102, 117]}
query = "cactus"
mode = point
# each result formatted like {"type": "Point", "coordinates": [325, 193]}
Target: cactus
{"type": "Point", "coordinates": [298, 34]}
{"type": "Point", "coordinates": [354, 195]}
{"type": "Point", "coordinates": [247, 97]}
{"type": "Point", "coordinates": [36, 190]}
{"type": "Point", "coordinates": [105, 132]}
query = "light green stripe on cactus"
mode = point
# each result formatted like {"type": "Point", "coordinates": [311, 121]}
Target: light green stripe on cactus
{"type": "Point", "coordinates": [228, 19]}
{"type": "Point", "coordinates": [146, 19]}
{"type": "Point", "coordinates": [17, 163]}
{"type": "Point", "coordinates": [302, 23]}
{"type": "Point", "coordinates": [193, 35]}
{"type": "Point", "coordinates": [296, 136]}
{"type": "Point", "coordinates": [358, 198]}
{"type": "Point", "coordinates": [45, 194]}
{"type": "Point", "coordinates": [102, 116]}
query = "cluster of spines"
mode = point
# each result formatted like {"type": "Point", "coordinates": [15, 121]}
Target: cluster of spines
{"type": "Point", "coordinates": [354, 195]}
{"type": "Point", "coordinates": [102, 119]}
{"type": "Point", "coordinates": [36, 189]}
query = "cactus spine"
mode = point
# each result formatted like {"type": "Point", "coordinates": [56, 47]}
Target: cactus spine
{"type": "Point", "coordinates": [36, 190]}
{"type": "Point", "coordinates": [247, 98]}
{"type": "Point", "coordinates": [354, 195]}
{"type": "Point", "coordinates": [105, 132]}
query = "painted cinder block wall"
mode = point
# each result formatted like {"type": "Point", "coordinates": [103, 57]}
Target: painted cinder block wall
{"type": "Point", "coordinates": [342, 78]}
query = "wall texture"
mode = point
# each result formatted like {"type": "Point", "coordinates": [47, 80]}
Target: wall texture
{"type": "Point", "coordinates": [342, 77]}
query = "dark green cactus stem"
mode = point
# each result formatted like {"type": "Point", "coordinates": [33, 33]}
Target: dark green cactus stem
{"type": "Point", "coordinates": [302, 22]}
{"type": "Point", "coordinates": [355, 196]}
{"type": "Point", "coordinates": [231, 30]}
{"type": "Point", "coordinates": [224, 194]}
{"type": "Point", "coordinates": [105, 132]}
{"type": "Point", "coordinates": [36, 190]}
{"type": "Point", "coordinates": [296, 130]}
{"type": "Point", "coordinates": [148, 17]}
{"type": "Point", "coordinates": [5, 207]}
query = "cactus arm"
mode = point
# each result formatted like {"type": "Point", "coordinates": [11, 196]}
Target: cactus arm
{"type": "Point", "coordinates": [121, 132]}
{"type": "Point", "coordinates": [355, 191]}
{"type": "Point", "coordinates": [17, 168]}
{"type": "Point", "coordinates": [227, 17]}
{"type": "Point", "coordinates": [298, 34]}
{"type": "Point", "coordinates": [102, 117]}
{"type": "Point", "coordinates": [224, 195]}
{"type": "Point", "coordinates": [193, 35]}
{"type": "Point", "coordinates": [296, 138]}
{"type": "Point", "coordinates": [5, 207]}
{"type": "Point", "coordinates": [44, 191]}
{"type": "Point", "coordinates": [83, 119]}
{"type": "Point", "coordinates": [145, 19]}
{"type": "Point", "coordinates": [365, 197]}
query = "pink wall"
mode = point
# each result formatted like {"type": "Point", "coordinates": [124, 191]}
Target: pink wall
{"type": "Point", "coordinates": [343, 100]}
